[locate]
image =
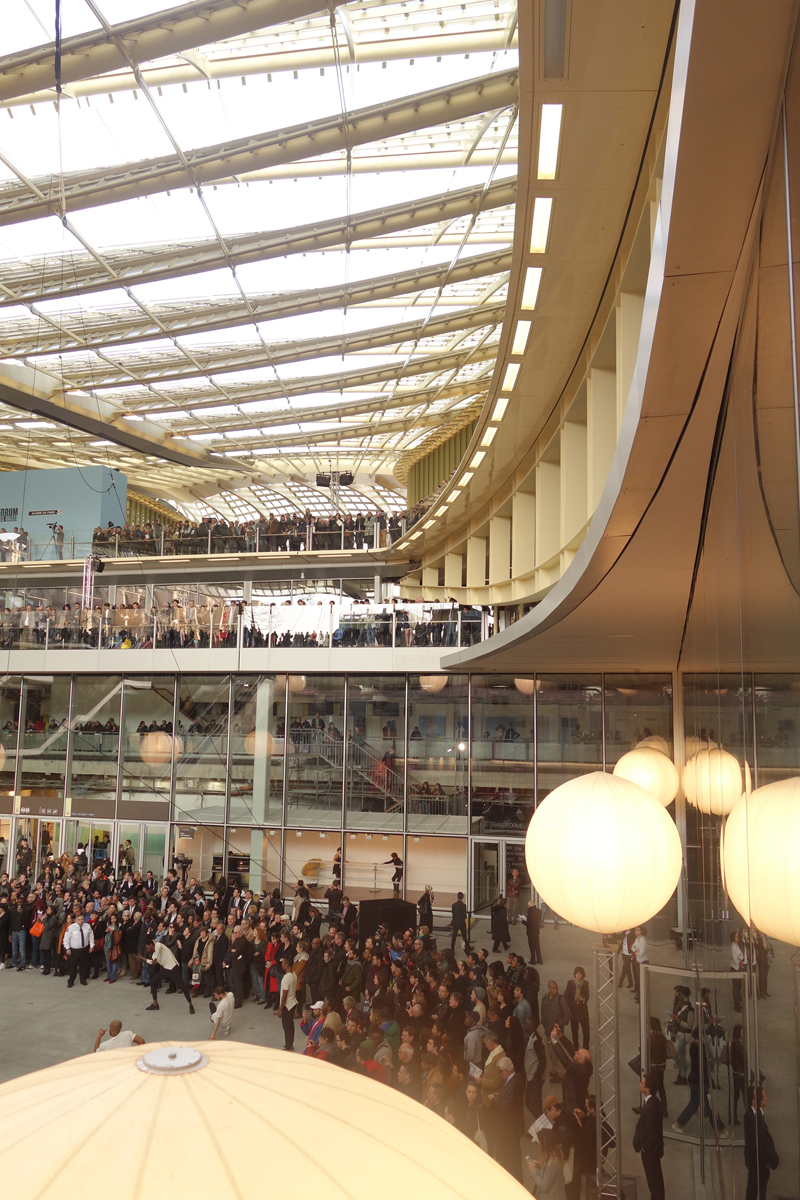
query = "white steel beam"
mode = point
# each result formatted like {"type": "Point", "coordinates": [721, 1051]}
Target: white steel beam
{"type": "Point", "coordinates": [328, 135]}
{"type": "Point", "coordinates": [79, 275]}
{"type": "Point", "coordinates": [165, 367]}
{"type": "Point", "coordinates": [121, 327]}
{"type": "Point", "coordinates": [198, 400]}
{"type": "Point", "coordinates": [170, 31]}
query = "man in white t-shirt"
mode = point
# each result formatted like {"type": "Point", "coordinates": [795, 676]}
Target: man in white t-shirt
{"type": "Point", "coordinates": [288, 1003]}
{"type": "Point", "coordinates": [222, 1012]}
{"type": "Point", "coordinates": [118, 1038]}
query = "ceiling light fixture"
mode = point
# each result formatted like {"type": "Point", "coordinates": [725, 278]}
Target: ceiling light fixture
{"type": "Point", "coordinates": [549, 140]}
{"type": "Point", "coordinates": [500, 409]}
{"type": "Point", "coordinates": [540, 225]}
{"type": "Point", "coordinates": [478, 458]}
{"type": "Point", "coordinates": [530, 293]}
{"type": "Point", "coordinates": [510, 377]}
{"type": "Point", "coordinates": [488, 436]}
{"type": "Point", "coordinates": [521, 337]}
{"type": "Point", "coordinates": [465, 479]}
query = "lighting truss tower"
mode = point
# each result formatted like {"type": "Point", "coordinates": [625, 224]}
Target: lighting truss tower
{"type": "Point", "coordinates": [607, 1070]}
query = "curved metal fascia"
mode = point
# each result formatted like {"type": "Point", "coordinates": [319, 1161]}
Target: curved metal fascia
{"type": "Point", "coordinates": [85, 274]}
{"type": "Point", "coordinates": [167, 32]}
{"type": "Point", "coordinates": [566, 593]}
{"type": "Point", "coordinates": [90, 189]}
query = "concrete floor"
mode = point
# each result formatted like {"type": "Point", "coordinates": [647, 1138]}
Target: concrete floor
{"type": "Point", "coordinates": [42, 1022]}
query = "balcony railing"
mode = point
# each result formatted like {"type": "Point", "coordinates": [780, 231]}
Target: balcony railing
{"type": "Point", "coordinates": [300, 625]}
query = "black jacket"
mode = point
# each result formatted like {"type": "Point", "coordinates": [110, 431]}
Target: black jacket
{"type": "Point", "coordinates": [459, 911]}
{"type": "Point", "coordinates": [759, 1149]}
{"type": "Point", "coordinates": [648, 1137]}
{"type": "Point", "coordinates": [314, 967]}
{"type": "Point", "coordinates": [500, 931]}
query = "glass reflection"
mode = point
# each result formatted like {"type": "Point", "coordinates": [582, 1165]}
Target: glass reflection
{"type": "Point", "coordinates": [258, 730]}
{"type": "Point", "coordinates": [438, 754]}
{"type": "Point", "coordinates": [201, 770]}
{"type": "Point", "coordinates": [777, 704]}
{"type": "Point", "coordinates": [43, 745]}
{"type": "Point", "coordinates": [96, 701]}
{"type": "Point", "coordinates": [637, 706]}
{"type": "Point", "coordinates": [502, 753]}
{"type": "Point", "coordinates": [315, 750]}
{"type": "Point", "coordinates": [147, 748]}
{"type": "Point", "coordinates": [569, 727]}
{"type": "Point", "coordinates": [375, 751]}
{"type": "Point", "coordinates": [10, 688]}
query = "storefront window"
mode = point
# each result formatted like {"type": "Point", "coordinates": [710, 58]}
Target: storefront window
{"type": "Point", "coordinates": [201, 770]}
{"type": "Point", "coordinates": [258, 729]}
{"type": "Point", "coordinates": [502, 754]}
{"type": "Point", "coordinates": [438, 753]}
{"type": "Point", "coordinates": [254, 858]}
{"type": "Point", "coordinates": [376, 708]}
{"type": "Point", "coordinates": [315, 750]}
{"type": "Point", "coordinates": [198, 850]}
{"type": "Point", "coordinates": [569, 729]}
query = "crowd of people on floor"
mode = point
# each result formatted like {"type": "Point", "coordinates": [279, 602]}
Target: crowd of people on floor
{"type": "Point", "coordinates": [475, 1039]}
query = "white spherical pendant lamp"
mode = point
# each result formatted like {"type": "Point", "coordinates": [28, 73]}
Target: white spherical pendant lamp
{"type": "Point", "coordinates": [691, 746]}
{"type": "Point", "coordinates": [158, 748]}
{"type": "Point", "coordinates": [432, 683]}
{"type": "Point", "coordinates": [297, 683]}
{"type": "Point", "coordinates": [240, 1085]}
{"type": "Point", "coordinates": [258, 743]}
{"type": "Point", "coordinates": [526, 686]}
{"type": "Point", "coordinates": [760, 855]}
{"type": "Point", "coordinates": [655, 742]}
{"type": "Point", "coordinates": [652, 770]}
{"type": "Point", "coordinates": [603, 853]}
{"type": "Point", "coordinates": [712, 780]}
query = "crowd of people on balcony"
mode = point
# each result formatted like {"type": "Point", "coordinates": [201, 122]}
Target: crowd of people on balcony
{"type": "Point", "coordinates": [205, 622]}
{"type": "Point", "coordinates": [271, 533]}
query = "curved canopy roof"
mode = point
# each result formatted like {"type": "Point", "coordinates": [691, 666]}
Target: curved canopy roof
{"type": "Point", "coordinates": [251, 241]}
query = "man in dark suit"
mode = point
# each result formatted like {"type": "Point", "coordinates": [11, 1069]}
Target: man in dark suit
{"type": "Point", "coordinates": [508, 1122]}
{"type": "Point", "coordinates": [459, 911]}
{"type": "Point", "coordinates": [760, 1156]}
{"type": "Point", "coordinates": [648, 1138]}
{"type": "Point", "coordinates": [533, 921]}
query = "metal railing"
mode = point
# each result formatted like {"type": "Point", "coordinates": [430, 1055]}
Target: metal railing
{"type": "Point", "coordinates": [276, 626]}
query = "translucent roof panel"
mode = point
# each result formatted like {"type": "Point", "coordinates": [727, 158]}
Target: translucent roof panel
{"type": "Point", "coordinates": [175, 248]}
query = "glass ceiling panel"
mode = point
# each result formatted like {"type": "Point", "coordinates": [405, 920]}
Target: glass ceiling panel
{"type": "Point", "coordinates": [243, 86]}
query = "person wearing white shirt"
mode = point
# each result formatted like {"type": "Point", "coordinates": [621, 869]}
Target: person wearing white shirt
{"type": "Point", "coordinates": [288, 1003]}
{"type": "Point", "coordinates": [222, 1012]}
{"type": "Point", "coordinates": [118, 1038]}
{"type": "Point", "coordinates": [639, 954]}
{"type": "Point", "coordinates": [77, 945]}
{"type": "Point", "coordinates": [164, 965]}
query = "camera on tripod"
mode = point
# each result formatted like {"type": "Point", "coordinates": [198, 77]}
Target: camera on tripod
{"type": "Point", "coordinates": [52, 525]}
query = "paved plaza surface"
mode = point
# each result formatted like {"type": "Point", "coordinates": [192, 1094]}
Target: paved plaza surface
{"type": "Point", "coordinates": [42, 1022]}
